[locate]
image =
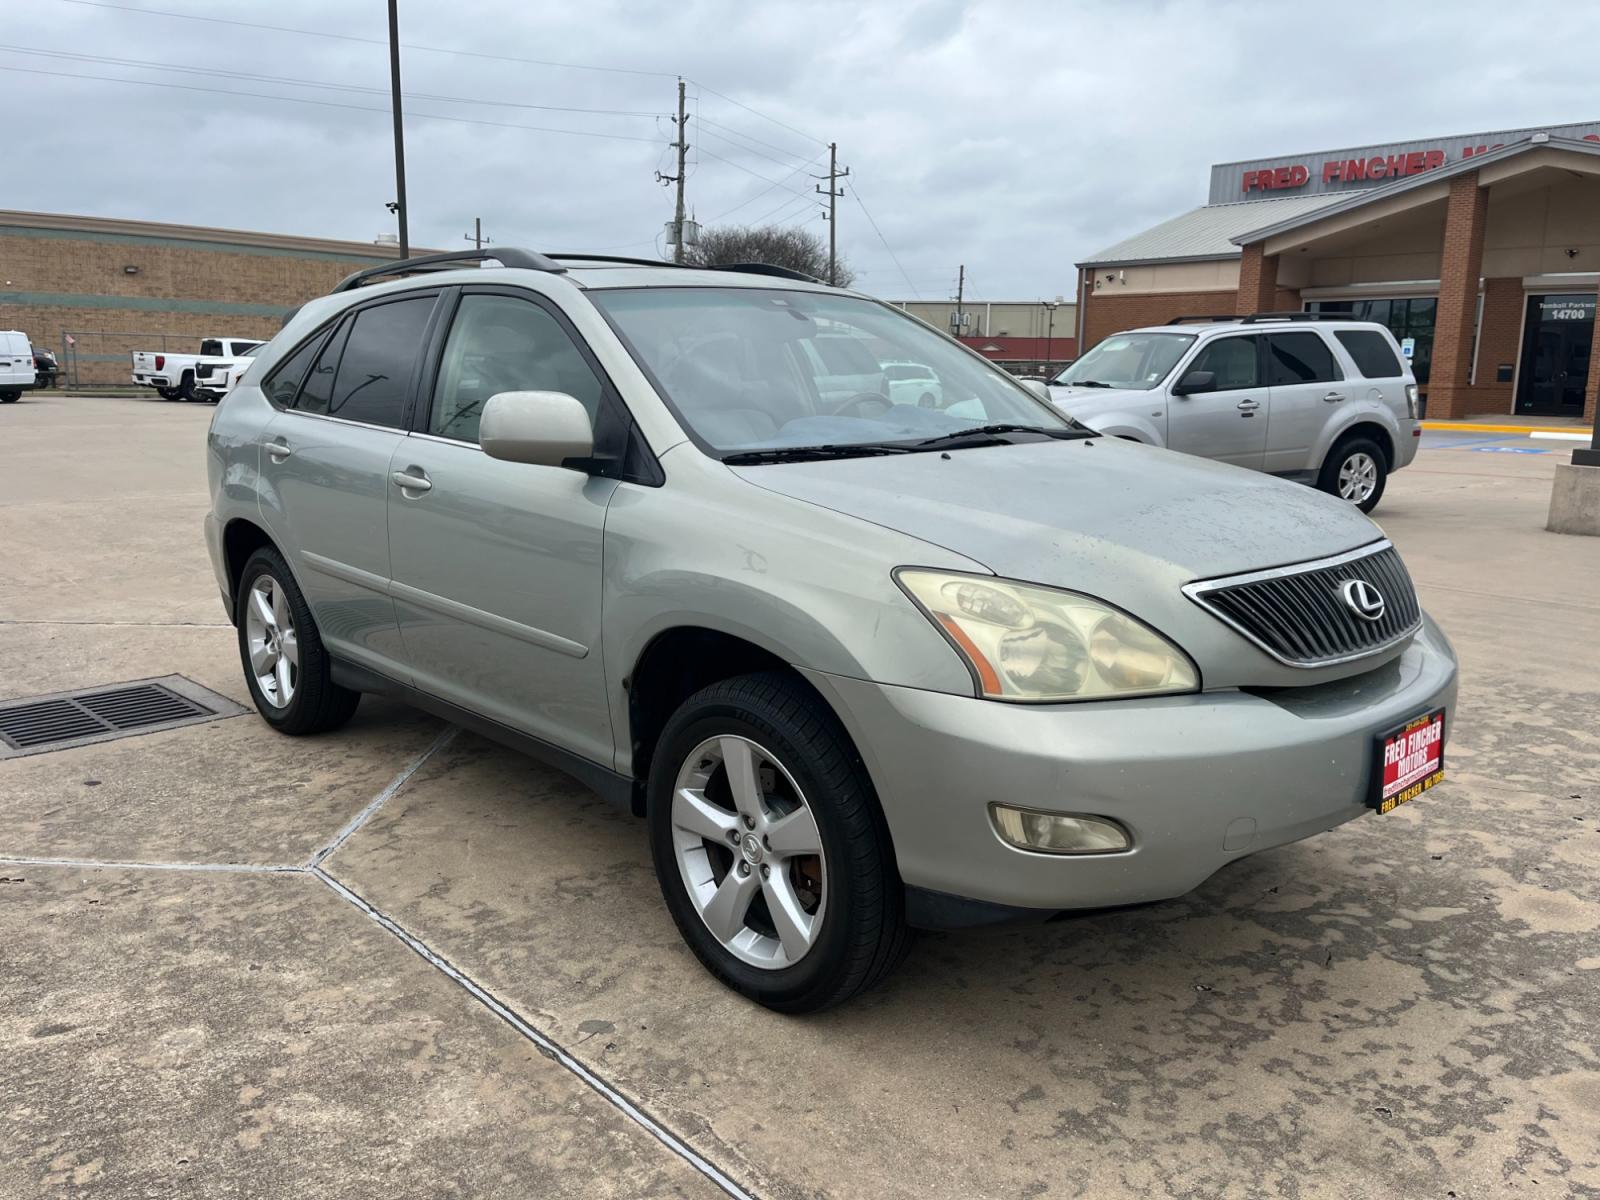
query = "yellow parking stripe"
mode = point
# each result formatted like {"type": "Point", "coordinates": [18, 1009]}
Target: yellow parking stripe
{"type": "Point", "coordinates": [1472, 427]}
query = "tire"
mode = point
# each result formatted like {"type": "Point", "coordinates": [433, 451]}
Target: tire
{"type": "Point", "coordinates": [856, 912]}
{"type": "Point", "coordinates": [315, 704]}
{"type": "Point", "coordinates": [185, 390]}
{"type": "Point", "coordinates": [1356, 470]}
{"type": "Point", "coordinates": [10, 396]}
{"type": "Point", "coordinates": [167, 393]}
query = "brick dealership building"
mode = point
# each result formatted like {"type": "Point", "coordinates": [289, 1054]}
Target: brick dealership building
{"type": "Point", "coordinates": [1482, 253]}
{"type": "Point", "coordinates": [95, 289]}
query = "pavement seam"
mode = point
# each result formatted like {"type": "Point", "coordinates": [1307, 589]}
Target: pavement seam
{"type": "Point", "coordinates": [126, 865]}
{"type": "Point", "coordinates": [546, 1046]}
{"type": "Point", "coordinates": [394, 785]}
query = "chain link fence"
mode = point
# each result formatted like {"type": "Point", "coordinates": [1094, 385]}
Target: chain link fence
{"type": "Point", "coordinates": [99, 358]}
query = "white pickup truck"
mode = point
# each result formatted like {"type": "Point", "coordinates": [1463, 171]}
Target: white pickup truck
{"type": "Point", "coordinates": [176, 376]}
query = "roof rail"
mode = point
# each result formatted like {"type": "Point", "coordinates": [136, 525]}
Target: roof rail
{"type": "Point", "coordinates": [620, 259]}
{"type": "Point", "coordinates": [769, 269]}
{"type": "Point", "coordinates": [506, 256]}
{"type": "Point", "coordinates": [1260, 318]}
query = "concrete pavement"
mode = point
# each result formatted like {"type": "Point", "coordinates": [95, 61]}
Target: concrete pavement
{"type": "Point", "coordinates": [1403, 1007]}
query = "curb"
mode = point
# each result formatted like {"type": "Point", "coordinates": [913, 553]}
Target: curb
{"type": "Point", "coordinates": [1474, 427]}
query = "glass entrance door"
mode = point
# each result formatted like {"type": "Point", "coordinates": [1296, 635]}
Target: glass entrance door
{"type": "Point", "coordinates": [1556, 343]}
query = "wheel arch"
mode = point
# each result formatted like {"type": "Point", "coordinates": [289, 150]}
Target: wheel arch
{"type": "Point", "coordinates": [242, 537]}
{"type": "Point", "coordinates": [1367, 428]}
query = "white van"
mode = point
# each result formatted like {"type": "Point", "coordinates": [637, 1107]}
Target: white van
{"type": "Point", "coordinates": [16, 365]}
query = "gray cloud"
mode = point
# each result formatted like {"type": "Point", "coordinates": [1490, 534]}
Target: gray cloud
{"type": "Point", "coordinates": [1013, 137]}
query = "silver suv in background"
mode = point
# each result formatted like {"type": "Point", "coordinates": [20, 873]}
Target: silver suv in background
{"type": "Point", "coordinates": [1325, 401]}
{"type": "Point", "coordinates": [926, 657]}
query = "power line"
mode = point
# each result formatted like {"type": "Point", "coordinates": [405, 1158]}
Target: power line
{"type": "Point", "coordinates": [741, 133]}
{"type": "Point", "coordinates": [212, 72]}
{"type": "Point", "coordinates": [790, 216]}
{"type": "Point", "coordinates": [347, 37]}
{"type": "Point", "coordinates": [782, 162]}
{"type": "Point", "coordinates": [765, 190]}
{"type": "Point", "coordinates": [747, 170]}
{"type": "Point", "coordinates": [189, 87]}
{"type": "Point", "coordinates": [715, 93]}
{"type": "Point", "coordinates": [856, 194]}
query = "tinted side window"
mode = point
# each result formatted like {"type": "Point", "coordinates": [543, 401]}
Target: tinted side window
{"type": "Point", "coordinates": [374, 375]}
{"type": "Point", "coordinates": [285, 379]}
{"type": "Point", "coordinates": [319, 383]}
{"type": "Point", "coordinates": [1371, 352]}
{"type": "Point", "coordinates": [211, 347]}
{"type": "Point", "coordinates": [502, 344]}
{"type": "Point", "coordinates": [1300, 358]}
{"type": "Point", "coordinates": [1232, 360]}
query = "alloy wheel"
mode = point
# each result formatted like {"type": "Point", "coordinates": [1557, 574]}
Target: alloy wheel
{"type": "Point", "coordinates": [274, 647]}
{"type": "Point", "coordinates": [1358, 477]}
{"type": "Point", "coordinates": [749, 852]}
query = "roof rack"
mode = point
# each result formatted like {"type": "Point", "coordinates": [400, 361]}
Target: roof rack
{"type": "Point", "coordinates": [769, 269]}
{"type": "Point", "coordinates": [506, 256]}
{"type": "Point", "coordinates": [1260, 318]}
{"type": "Point", "coordinates": [621, 259]}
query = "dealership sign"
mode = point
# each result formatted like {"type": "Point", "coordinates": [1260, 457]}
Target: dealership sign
{"type": "Point", "coordinates": [1368, 166]}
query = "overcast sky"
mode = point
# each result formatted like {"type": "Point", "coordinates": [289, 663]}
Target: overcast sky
{"type": "Point", "coordinates": [1013, 137]}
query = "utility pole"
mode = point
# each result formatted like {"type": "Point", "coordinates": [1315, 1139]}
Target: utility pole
{"type": "Point", "coordinates": [961, 288]}
{"type": "Point", "coordinates": [399, 129]}
{"type": "Point", "coordinates": [476, 236]}
{"type": "Point", "coordinates": [1050, 330]}
{"type": "Point", "coordinates": [832, 216]}
{"type": "Point", "coordinates": [683, 154]}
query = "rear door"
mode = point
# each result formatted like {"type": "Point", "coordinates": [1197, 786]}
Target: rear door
{"type": "Point", "coordinates": [497, 565]}
{"type": "Point", "coordinates": [16, 360]}
{"type": "Point", "coordinates": [1228, 424]}
{"type": "Point", "coordinates": [325, 469]}
{"type": "Point", "coordinates": [1309, 391]}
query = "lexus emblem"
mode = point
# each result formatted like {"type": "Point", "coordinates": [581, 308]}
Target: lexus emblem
{"type": "Point", "coordinates": [1361, 598]}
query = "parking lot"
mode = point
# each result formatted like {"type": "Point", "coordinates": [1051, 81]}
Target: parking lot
{"type": "Point", "coordinates": [399, 960]}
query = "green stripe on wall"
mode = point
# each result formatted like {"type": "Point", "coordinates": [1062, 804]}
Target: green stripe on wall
{"type": "Point", "coordinates": [143, 304]}
{"type": "Point", "coordinates": [140, 239]}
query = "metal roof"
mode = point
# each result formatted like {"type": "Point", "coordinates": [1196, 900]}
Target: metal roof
{"type": "Point", "coordinates": [1208, 233]}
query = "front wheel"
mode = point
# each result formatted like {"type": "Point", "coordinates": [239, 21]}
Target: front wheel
{"type": "Point", "coordinates": [10, 396]}
{"type": "Point", "coordinates": [1356, 470]}
{"type": "Point", "coordinates": [773, 858]}
{"type": "Point", "coordinates": [285, 665]}
{"type": "Point", "coordinates": [167, 393]}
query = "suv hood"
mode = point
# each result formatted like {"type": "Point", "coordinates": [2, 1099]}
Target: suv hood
{"type": "Point", "coordinates": [1101, 515]}
{"type": "Point", "coordinates": [1085, 404]}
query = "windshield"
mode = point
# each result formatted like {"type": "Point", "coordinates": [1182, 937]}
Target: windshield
{"type": "Point", "coordinates": [754, 369]}
{"type": "Point", "coordinates": [1127, 360]}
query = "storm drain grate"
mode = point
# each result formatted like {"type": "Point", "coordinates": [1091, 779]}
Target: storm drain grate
{"type": "Point", "coordinates": [40, 723]}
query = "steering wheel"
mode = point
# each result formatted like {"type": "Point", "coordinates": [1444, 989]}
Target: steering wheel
{"type": "Point", "coordinates": [861, 400]}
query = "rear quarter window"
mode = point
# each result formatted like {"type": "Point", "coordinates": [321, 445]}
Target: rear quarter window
{"type": "Point", "coordinates": [1373, 355]}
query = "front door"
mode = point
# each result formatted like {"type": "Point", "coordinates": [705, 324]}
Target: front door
{"type": "Point", "coordinates": [1228, 424]}
{"type": "Point", "coordinates": [1557, 340]}
{"type": "Point", "coordinates": [497, 565]}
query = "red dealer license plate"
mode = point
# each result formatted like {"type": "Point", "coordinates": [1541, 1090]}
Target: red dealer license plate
{"type": "Point", "coordinates": [1410, 761]}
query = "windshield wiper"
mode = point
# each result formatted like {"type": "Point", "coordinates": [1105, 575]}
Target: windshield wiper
{"type": "Point", "coordinates": [1086, 383]}
{"type": "Point", "coordinates": [814, 453]}
{"type": "Point", "coordinates": [992, 433]}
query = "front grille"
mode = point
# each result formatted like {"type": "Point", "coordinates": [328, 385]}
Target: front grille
{"type": "Point", "coordinates": [1298, 614]}
{"type": "Point", "coordinates": [43, 723]}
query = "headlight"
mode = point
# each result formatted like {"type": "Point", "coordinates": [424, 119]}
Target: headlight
{"type": "Point", "coordinates": [1024, 642]}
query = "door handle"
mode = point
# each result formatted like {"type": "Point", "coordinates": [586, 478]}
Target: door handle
{"type": "Point", "coordinates": [1332, 397]}
{"type": "Point", "coordinates": [277, 451]}
{"type": "Point", "coordinates": [1248, 406]}
{"type": "Point", "coordinates": [408, 482]}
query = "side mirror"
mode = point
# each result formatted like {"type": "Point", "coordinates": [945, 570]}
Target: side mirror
{"type": "Point", "coordinates": [545, 429]}
{"type": "Point", "coordinates": [1038, 387]}
{"type": "Point", "coordinates": [1194, 382]}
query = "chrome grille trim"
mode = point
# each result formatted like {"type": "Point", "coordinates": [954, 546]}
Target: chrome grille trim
{"type": "Point", "coordinates": [1294, 613]}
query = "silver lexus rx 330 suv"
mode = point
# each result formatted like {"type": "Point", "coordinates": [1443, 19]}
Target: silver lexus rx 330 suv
{"type": "Point", "coordinates": [864, 663]}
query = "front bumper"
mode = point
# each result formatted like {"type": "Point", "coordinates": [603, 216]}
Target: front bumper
{"type": "Point", "coordinates": [1199, 780]}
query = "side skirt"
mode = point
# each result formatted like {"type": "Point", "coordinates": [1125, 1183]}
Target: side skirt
{"type": "Point", "coordinates": [612, 787]}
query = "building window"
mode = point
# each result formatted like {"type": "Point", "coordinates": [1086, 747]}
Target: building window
{"type": "Point", "coordinates": [1406, 318]}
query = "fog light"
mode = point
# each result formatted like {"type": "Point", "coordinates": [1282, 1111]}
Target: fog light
{"type": "Point", "coordinates": [1057, 833]}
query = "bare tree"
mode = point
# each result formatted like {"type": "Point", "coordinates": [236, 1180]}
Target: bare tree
{"type": "Point", "coordinates": [776, 245]}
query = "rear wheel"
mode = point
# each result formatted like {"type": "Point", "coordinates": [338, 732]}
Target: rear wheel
{"type": "Point", "coordinates": [1356, 470]}
{"type": "Point", "coordinates": [771, 853]}
{"type": "Point", "coordinates": [285, 665]}
{"type": "Point", "coordinates": [10, 396]}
